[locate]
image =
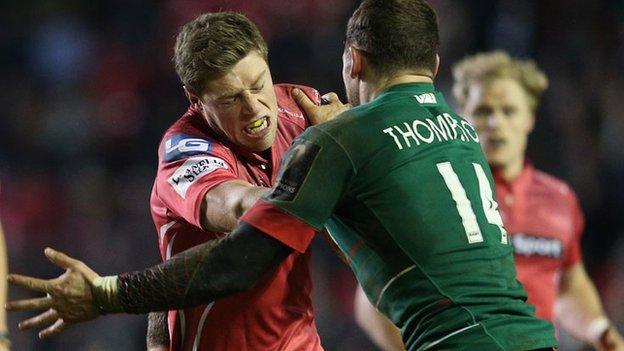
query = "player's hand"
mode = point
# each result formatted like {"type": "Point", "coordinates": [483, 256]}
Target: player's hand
{"type": "Point", "coordinates": [611, 340]}
{"type": "Point", "coordinates": [158, 348]}
{"type": "Point", "coordinates": [330, 106]}
{"type": "Point", "coordinates": [68, 300]}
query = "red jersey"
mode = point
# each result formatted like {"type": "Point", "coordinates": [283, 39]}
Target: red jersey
{"type": "Point", "coordinates": [277, 313]}
{"type": "Point", "coordinates": [543, 217]}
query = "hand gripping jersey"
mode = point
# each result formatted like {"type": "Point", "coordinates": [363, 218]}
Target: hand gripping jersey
{"type": "Point", "coordinates": [406, 193]}
{"type": "Point", "coordinates": [277, 313]}
{"type": "Point", "coordinates": [545, 224]}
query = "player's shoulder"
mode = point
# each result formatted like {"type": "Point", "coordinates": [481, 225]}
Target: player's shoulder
{"type": "Point", "coordinates": [287, 109]}
{"type": "Point", "coordinates": [552, 185]}
{"type": "Point", "coordinates": [189, 136]}
{"type": "Point", "coordinates": [283, 92]}
{"type": "Point", "coordinates": [354, 121]}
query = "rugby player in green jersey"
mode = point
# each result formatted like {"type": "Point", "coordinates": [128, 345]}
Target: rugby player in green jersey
{"type": "Point", "coordinates": [402, 185]}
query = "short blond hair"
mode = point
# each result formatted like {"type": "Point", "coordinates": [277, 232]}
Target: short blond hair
{"type": "Point", "coordinates": [485, 67]}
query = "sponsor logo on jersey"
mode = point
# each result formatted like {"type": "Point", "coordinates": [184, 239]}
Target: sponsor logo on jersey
{"type": "Point", "coordinates": [192, 170]}
{"type": "Point", "coordinates": [529, 245]}
{"type": "Point", "coordinates": [181, 145]}
{"type": "Point", "coordinates": [294, 170]}
{"type": "Point", "coordinates": [426, 98]}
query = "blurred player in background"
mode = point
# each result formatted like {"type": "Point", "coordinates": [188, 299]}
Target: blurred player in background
{"type": "Point", "coordinates": [432, 253]}
{"type": "Point", "coordinates": [500, 95]}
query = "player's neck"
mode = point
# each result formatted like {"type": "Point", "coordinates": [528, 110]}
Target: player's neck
{"type": "Point", "coordinates": [512, 170]}
{"type": "Point", "coordinates": [372, 90]}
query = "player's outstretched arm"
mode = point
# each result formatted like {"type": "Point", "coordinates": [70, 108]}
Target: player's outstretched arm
{"type": "Point", "coordinates": [580, 312]}
{"type": "Point", "coordinates": [197, 276]}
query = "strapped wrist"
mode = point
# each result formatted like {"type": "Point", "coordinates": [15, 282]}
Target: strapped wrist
{"type": "Point", "coordinates": [596, 328]}
{"type": "Point", "coordinates": [4, 339]}
{"type": "Point", "coordinates": [104, 291]}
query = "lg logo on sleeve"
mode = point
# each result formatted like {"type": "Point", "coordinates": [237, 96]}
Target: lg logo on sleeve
{"type": "Point", "coordinates": [181, 145]}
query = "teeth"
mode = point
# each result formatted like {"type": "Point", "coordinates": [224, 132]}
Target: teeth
{"type": "Point", "coordinates": [257, 123]}
{"type": "Point", "coordinates": [257, 126]}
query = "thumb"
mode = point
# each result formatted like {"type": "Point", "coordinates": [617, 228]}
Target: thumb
{"type": "Point", "coordinates": [60, 259]}
{"type": "Point", "coordinates": [331, 98]}
{"type": "Point", "coordinates": [303, 100]}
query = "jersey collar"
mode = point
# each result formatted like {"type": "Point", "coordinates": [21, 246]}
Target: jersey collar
{"type": "Point", "coordinates": [412, 87]}
{"type": "Point", "coordinates": [415, 89]}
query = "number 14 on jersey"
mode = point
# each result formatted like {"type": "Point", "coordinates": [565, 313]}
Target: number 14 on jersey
{"type": "Point", "coordinates": [464, 206]}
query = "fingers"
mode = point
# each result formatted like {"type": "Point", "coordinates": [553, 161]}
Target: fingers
{"type": "Point", "coordinates": [303, 100]}
{"type": "Point", "coordinates": [39, 321]}
{"type": "Point", "coordinates": [56, 328]}
{"type": "Point", "coordinates": [60, 259]}
{"type": "Point", "coordinates": [330, 97]}
{"type": "Point", "coordinates": [31, 283]}
{"type": "Point", "coordinates": [38, 304]}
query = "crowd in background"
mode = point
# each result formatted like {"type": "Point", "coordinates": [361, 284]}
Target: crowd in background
{"type": "Point", "coordinates": [88, 89]}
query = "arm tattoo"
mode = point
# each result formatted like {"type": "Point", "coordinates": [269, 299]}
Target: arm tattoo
{"type": "Point", "coordinates": [157, 330]}
{"type": "Point", "coordinates": [203, 273]}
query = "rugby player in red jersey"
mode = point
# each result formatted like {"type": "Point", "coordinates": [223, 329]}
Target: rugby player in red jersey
{"type": "Point", "coordinates": [214, 163]}
{"type": "Point", "coordinates": [500, 95]}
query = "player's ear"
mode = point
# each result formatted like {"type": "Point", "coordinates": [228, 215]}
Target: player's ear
{"type": "Point", "coordinates": [436, 66]}
{"type": "Point", "coordinates": [531, 123]}
{"type": "Point", "coordinates": [358, 62]}
{"type": "Point", "coordinates": [192, 98]}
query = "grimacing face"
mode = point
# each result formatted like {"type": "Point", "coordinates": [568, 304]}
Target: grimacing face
{"type": "Point", "coordinates": [500, 111]}
{"type": "Point", "coordinates": [241, 104]}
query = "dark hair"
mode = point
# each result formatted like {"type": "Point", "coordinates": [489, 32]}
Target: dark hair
{"type": "Point", "coordinates": [212, 44]}
{"type": "Point", "coordinates": [395, 34]}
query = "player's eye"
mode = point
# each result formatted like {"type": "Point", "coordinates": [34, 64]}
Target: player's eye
{"type": "Point", "coordinates": [509, 110]}
{"type": "Point", "coordinates": [257, 88]}
{"type": "Point", "coordinates": [482, 111]}
{"type": "Point", "coordinates": [227, 101]}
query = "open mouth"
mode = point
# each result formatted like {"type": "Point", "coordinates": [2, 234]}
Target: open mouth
{"type": "Point", "coordinates": [496, 142]}
{"type": "Point", "coordinates": [258, 126]}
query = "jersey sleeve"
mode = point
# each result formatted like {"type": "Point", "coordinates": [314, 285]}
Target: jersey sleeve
{"type": "Point", "coordinates": [188, 168]}
{"type": "Point", "coordinates": [573, 253]}
{"type": "Point", "coordinates": [314, 176]}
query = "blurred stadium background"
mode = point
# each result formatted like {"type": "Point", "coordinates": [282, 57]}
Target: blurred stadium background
{"type": "Point", "coordinates": [88, 88]}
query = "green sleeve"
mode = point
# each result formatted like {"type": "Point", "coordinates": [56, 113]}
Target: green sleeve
{"type": "Point", "coordinates": [314, 175]}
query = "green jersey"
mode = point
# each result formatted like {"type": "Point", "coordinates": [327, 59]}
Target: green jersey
{"type": "Point", "coordinates": [403, 187]}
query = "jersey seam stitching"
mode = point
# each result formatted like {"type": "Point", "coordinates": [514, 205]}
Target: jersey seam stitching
{"type": "Point", "coordinates": [344, 150]}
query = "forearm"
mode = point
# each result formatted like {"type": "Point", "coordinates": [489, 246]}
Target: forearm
{"type": "Point", "coordinates": [157, 331]}
{"type": "Point", "coordinates": [578, 304]}
{"type": "Point", "coordinates": [197, 276]}
{"type": "Point", "coordinates": [378, 327]}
